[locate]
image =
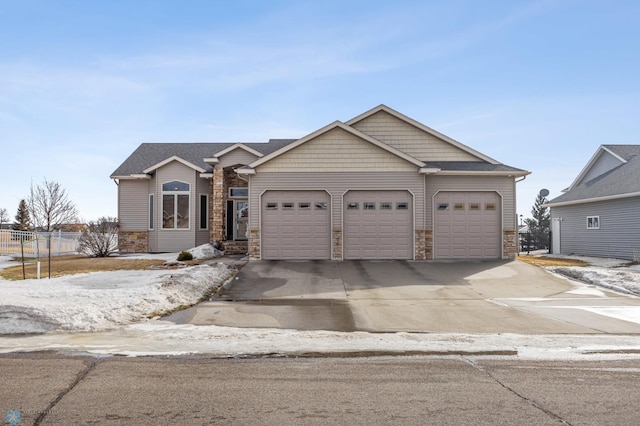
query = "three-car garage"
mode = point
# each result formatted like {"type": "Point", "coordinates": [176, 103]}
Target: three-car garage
{"type": "Point", "coordinates": [377, 224]}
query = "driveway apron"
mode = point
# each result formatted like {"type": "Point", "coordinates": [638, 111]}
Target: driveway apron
{"type": "Point", "coordinates": [410, 296]}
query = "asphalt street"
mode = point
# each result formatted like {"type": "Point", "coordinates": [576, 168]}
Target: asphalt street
{"type": "Point", "coordinates": [53, 389]}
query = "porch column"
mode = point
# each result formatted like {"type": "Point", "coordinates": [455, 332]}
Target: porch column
{"type": "Point", "coordinates": [216, 231]}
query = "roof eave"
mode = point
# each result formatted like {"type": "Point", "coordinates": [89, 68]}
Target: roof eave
{"type": "Point", "coordinates": [133, 176]}
{"type": "Point", "coordinates": [592, 200]}
{"type": "Point", "coordinates": [245, 171]}
{"type": "Point", "coordinates": [512, 173]}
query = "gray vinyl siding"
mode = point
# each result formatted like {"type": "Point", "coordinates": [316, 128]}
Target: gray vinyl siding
{"type": "Point", "coordinates": [505, 186]}
{"type": "Point", "coordinates": [337, 184]}
{"type": "Point", "coordinates": [602, 165]}
{"type": "Point", "coordinates": [619, 233]}
{"type": "Point", "coordinates": [237, 156]}
{"type": "Point", "coordinates": [410, 139]}
{"type": "Point", "coordinates": [176, 239]}
{"type": "Point", "coordinates": [133, 200]}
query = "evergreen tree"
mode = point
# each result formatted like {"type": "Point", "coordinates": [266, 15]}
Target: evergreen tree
{"type": "Point", "coordinates": [539, 223]}
{"type": "Point", "coordinates": [23, 219]}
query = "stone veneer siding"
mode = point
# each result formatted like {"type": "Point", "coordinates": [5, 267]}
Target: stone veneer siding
{"type": "Point", "coordinates": [509, 244]}
{"type": "Point", "coordinates": [216, 231]}
{"type": "Point", "coordinates": [223, 179]}
{"type": "Point", "coordinates": [133, 241]}
{"type": "Point", "coordinates": [336, 243]}
{"type": "Point", "coordinates": [254, 243]}
{"type": "Point", "coordinates": [423, 244]}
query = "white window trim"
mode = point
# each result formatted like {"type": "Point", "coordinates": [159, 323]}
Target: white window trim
{"type": "Point", "coordinates": [151, 212]}
{"type": "Point", "coordinates": [175, 206]}
{"type": "Point", "coordinates": [595, 222]}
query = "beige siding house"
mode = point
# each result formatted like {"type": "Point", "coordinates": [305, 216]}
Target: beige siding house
{"type": "Point", "coordinates": [379, 186]}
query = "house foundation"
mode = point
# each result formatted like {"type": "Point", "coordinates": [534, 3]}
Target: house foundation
{"type": "Point", "coordinates": [133, 241]}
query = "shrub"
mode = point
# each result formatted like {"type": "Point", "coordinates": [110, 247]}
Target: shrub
{"type": "Point", "coordinates": [184, 256]}
{"type": "Point", "coordinates": [100, 238]}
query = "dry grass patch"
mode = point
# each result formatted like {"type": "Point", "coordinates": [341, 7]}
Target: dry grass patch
{"type": "Point", "coordinates": [550, 261]}
{"type": "Point", "coordinates": [78, 264]}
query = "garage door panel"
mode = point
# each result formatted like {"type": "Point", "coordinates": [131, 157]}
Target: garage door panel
{"type": "Point", "coordinates": [467, 225]}
{"type": "Point", "coordinates": [299, 231]}
{"type": "Point", "coordinates": [383, 232]}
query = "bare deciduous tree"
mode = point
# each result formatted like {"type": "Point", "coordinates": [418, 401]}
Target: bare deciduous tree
{"type": "Point", "coordinates": [100, 238]}
{"type": "Point", "coordinates": [4, 217]}
{"type": "Point", "coordinates": [50, 207]}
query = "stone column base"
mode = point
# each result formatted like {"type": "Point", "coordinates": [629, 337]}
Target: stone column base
{"type": "Point", "coordinates": [133, 241]}
{"type": "Point", "coordinates": [254, 243]}
{"type": "Point", "coordinates": [336, 243]}
{"type": "Point", "coordinates": [509, 244]}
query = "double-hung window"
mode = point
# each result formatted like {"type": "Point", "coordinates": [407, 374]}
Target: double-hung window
{"type": "Point", "coordinates": [175, 205]}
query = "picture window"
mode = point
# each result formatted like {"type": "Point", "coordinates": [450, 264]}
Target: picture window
{"type": "Point", "coordinates": [175, 205]}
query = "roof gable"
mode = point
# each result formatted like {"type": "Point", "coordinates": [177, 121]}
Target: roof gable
{"type": "Point", "coordinates": [601, 162]}
{"type": "Point", "coordinates": [238, 146]}
{"type": "Point", "coordinates": [413, 137]}
{"type": "Point", "coordinates": [617, 181]}
{"type": "Point", "coordinates": [171, 159]}
{"type": "Point", "coordinates": [349, 130]}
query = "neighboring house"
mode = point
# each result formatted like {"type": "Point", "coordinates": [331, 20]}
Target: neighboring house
{"type": "Point", "coordinates": [379, 186]}
{"type": "Point", "coordinates": [599, 214]}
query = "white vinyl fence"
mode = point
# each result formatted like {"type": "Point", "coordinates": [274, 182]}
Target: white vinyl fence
{"type": "Point", "coordinates": [38, 244]}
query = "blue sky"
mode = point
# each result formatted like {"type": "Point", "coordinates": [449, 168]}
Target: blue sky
{"type": "Point", "coordinates": [538, 85]}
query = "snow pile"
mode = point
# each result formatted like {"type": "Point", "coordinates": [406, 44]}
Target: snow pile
{"type": "Point", "coordinates": [612, 274]}
{"type": "Point", "coordinates": [205, 251]}
{"type": "Point", "coordinates": [154, 338]}
{"type": "Point", "coordinates": [102, 300]}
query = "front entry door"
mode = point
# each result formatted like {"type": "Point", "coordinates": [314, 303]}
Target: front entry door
{"type": "Point", "coordinates": [240, 220]}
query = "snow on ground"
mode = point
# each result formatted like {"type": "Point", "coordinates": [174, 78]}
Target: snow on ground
{"type": "Point", "coordinates": [613, 274]}
{"type": "Point", "coordinates": [163, 338]}
{"type": "Point", "coordinates": [101, 300]}
{"type": "Point", "coordinates": [114, 307]}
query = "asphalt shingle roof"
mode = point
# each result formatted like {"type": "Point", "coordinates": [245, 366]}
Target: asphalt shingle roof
{"type": "Point", "coordinates": [624, 179]}
{"type": "Point", "coordinates": [150, 154]}
{"type": "Point", "coordinates": [471, 166]}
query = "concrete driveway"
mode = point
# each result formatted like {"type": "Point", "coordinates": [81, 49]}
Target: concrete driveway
{"type": "Point", "coordinates": [391, 296]}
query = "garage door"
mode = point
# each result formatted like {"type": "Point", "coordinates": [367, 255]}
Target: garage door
{"type": "Point", "coordinates": [296, 225]}
{"type": "Point", "coordinates": [378, 225]}
{"type": "Point", "coordinates": [467, 225]}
